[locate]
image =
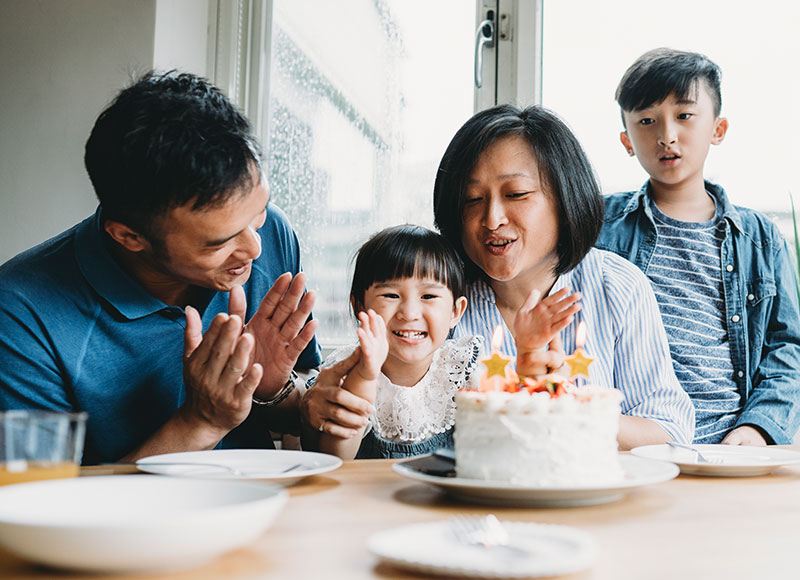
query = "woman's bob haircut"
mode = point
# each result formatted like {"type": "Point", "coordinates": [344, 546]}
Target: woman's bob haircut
{"type": "Point", "coordinates": [564, 169]}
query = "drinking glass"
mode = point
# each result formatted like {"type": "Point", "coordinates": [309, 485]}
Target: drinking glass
{"type": "Point", "coordinates": [38, 445]}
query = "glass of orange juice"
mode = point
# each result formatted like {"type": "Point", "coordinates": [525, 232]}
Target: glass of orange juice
{"type": "Point", "coordinates": [38, 445]}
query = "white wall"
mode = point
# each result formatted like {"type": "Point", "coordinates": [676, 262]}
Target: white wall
{"type": "Point", "coordinates": [181, 36]}
{"type": "Point", "coordinates": [61, 62]}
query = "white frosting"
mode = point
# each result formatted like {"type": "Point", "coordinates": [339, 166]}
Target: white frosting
{"type": "Point", "coordinates": [532, 439]}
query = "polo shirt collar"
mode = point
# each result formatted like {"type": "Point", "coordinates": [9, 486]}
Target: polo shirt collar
{"type": "Point", "coordinates": [106, 276]}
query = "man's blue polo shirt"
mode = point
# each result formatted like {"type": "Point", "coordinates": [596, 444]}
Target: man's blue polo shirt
{"type": "Point", "coordinates": [79, 334]}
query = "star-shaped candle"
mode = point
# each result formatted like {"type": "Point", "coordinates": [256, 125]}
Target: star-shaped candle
{"type": "Point", "coordinates": [497, 371]}
{"type": "Point", "coordinates": [578, 361]}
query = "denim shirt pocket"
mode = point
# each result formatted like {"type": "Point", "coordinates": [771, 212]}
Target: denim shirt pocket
{"type": "Point", "coordinates": [760, 292]}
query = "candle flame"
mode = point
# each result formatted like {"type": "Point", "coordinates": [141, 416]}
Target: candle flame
{"type": "Point", "coordinates": [580, 336]}
{"type": "Point", "coordinates": [497, 337]}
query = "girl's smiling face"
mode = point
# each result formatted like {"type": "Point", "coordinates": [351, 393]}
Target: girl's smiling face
{"type": "Point", "coordinates": [419, 313]}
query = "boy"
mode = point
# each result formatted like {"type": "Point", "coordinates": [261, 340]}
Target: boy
{"type": "Point", "coordinates": [722, 274]}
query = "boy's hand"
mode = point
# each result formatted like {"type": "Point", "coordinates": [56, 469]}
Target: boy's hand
{"type": "Point", "coordinates": [744, 435]}
{"type": "Point", "coordinates": [538, 321]}
{"type": "Point", "coordinates": [374, 345]}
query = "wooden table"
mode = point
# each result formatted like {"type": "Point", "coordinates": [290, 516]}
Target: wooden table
{"type": "Point", "coordinates": [690, 527]}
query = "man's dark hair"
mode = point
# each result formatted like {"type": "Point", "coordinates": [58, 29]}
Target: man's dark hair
{"type": "Point", "coordinates": [563, 168]}
{"type": "Point", "coordinates": [405, 251]}
{"type": "Point", "coordinates": [166, 140]}
{"type": "Point", "coordinates": [662, 72]}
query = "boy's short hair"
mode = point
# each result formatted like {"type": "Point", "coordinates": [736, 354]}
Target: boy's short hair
{"type": "Point", "coordinates": [406, 251]}
{"type": "Point", "coordinates": [661, 72]}
{"type": "Point", "coordinates": [563, 167]}
{"type": "Point", "coordinates": [164, 141]}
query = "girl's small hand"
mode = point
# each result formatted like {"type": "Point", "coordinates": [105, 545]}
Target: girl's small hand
{"type": "Point", "coordinates": [538, 321]}
{"type": "Point", "coordinates": [374, 345]}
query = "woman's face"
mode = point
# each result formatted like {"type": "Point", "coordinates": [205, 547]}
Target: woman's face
{"type": "Point", "coordinates": [510, 219]}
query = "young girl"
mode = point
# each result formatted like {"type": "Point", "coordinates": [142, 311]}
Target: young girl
{"type": "Point", "coordinates": [407, 293]}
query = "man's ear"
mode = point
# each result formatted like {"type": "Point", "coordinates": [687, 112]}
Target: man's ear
{"type": "Point", "coordinates": [720, 131]}
{"type": "Point", "coordinates": [125, 236]}
{"type": "Point", "coordinates": [459, 306]}
{"type": "Point", "coordinates": [626, 142]}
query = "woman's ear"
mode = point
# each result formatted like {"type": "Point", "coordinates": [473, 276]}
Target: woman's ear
{"type": "Point", "coordinates": [125, 236]}
{"type": "Point", "coordinates": [459, 307]}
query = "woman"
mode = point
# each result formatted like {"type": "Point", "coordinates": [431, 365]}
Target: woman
{"type": "Point", "coordinates": [516, 195]}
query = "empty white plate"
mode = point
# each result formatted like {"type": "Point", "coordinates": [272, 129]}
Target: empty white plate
{"type": "Point", "coordinates": [727, 460]}
{"type": "Point", "coordinates": [133, 523]}
{"type": "Point", "coordinates": [284, 466]}
{"type": "Point", "coordinates": [432, 548]}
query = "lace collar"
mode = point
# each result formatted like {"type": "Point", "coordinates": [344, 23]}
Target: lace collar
{"type": "Point", "coordinates": [413, 414]}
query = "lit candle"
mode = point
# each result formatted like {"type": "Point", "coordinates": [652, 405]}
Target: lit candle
{"type": "Point", "coordinates": [496, 365]}
{"type": "Point", "coordinates": [578, 361]}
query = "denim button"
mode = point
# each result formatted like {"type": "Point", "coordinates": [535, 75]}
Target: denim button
{"type": "Point", "coordinates": [735, 318]}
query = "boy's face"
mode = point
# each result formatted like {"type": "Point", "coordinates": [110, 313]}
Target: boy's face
{"type": "Point", "coordinates": [671, 138]}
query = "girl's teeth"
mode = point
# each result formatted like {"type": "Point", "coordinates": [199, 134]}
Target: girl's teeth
{"type": "Point", "coordinates": [500, 243]}
{"type": "Point", "coordinates": [409, 334]}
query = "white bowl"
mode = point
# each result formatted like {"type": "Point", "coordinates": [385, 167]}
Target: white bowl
{"type": "Point", "coordinates": [133, 523]}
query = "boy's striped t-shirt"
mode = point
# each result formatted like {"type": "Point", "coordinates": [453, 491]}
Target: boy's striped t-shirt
{"type": "Point", "coordinates": [686, 275]}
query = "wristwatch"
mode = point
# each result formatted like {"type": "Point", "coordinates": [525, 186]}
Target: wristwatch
{"type": "Point", "coordinates": [285, 391]}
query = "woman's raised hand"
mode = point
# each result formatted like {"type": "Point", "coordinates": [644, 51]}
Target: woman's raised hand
{"type": "Point", "coordinates": [538, 321]}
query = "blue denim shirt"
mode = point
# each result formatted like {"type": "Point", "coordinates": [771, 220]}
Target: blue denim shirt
{"type": "Point", "coordinates": [760, 302]}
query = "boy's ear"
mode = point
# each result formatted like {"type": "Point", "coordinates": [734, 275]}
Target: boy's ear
{"type": "Point", "coordinates": [459, 306]}
{"type": "Point", "coordinates": [720, 130]}
{"type": "Point", "coordinates": [126, 237]}
{"type": "Point", "coordinates": [626, 142]}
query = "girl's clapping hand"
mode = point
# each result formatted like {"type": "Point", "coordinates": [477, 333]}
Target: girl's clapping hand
{"type": "Point", "coordinates": [374, 345]}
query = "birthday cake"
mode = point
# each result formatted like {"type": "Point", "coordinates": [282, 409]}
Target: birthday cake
{"type": "Point", "coordinates": [546, 433]}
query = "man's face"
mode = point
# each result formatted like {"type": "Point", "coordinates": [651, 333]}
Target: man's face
{"type": "Point", "coordinates": [213, 247]}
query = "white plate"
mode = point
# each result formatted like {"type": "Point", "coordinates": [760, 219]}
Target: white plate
{"type": "Point", "coordinates": [133, 523]}
{"type": "Point", "coordinates": [638, 472]}
{"type": "Point", "coordinates": [282, 466]}
{"type": "Point", "coordinates": [729, 460]}
{"type": "Point", "coordinates": [431, 548]}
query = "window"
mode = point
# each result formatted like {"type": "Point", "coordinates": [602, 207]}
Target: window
{"type": "Point", "coordinates": [356, 101]}
{"type": "Point", "coordinates": [363, 98]}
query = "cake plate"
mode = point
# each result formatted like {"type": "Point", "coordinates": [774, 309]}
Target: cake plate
{"type": "Point", "coordinates": [638, 472]}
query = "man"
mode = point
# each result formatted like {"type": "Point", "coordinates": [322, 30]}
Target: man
{"type": "Point", "coordinates": [108, 316]}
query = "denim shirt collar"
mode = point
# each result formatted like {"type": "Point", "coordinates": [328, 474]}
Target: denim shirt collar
{"type": "Point", "coordinates": [106, 276]}
{"type": "Point", "coordinates": [728, 211]}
